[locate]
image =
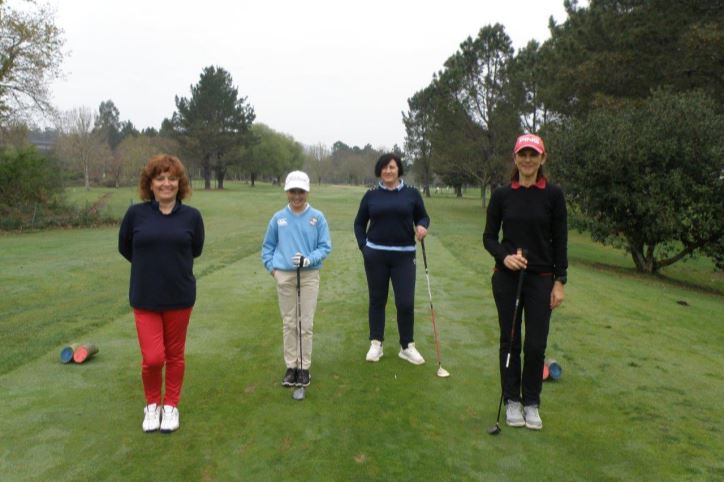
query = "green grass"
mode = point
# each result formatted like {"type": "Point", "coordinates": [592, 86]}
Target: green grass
{"type": "Point", "coordinates": [637, 400]}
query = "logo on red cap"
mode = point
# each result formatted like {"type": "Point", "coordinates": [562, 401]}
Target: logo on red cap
{"type": "Point", "coordinates": [529, 140]}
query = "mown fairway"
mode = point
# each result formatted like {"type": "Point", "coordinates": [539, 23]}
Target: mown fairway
{"type": "Point", "coordinates": [639, 398]}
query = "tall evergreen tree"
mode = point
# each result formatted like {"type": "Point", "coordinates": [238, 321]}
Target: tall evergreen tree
{"type": "Point", "coordinates": [418, 132]}
{"type": "Point", "coordinates": [107, 123]}
{"type": "Point", "coordinates": [526, 73]}
{"type": "Point", "coordinates": [626, 48]}
{"type": "Point", "coordinates": [473, 112]}
{"type": "Point", "coordinates": [213, 122]}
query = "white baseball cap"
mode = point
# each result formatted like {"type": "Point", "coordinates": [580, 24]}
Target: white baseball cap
{"type": "Point", "coordinates": [297, 180]}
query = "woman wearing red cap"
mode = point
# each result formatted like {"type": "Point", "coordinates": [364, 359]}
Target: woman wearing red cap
{"type": "Point", "coordinates": [532, 214]}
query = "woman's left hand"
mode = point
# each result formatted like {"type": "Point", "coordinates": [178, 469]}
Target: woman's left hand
{"type": "Point", "coordinates": [420, 232]}
{"type": "Point", "coordinates": [557, 295]}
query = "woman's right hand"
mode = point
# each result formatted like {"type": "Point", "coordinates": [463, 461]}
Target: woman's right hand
{"type": "Point", "coordinates": [515, 262]}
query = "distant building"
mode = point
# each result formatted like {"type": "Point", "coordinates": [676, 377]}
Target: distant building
{"type": "Point", "coordinates": [44, 141]}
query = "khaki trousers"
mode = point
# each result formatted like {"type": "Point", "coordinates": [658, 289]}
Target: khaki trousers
{"type": "Point", "coordinates": [287, 292]}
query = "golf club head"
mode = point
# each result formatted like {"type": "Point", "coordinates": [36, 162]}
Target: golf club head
{"type": "Point", "coordinates": [495, 429]}
{"type": "Point", "coordinates": [442, 373]}
{"type": "Point", "coordinates": [298, 394]}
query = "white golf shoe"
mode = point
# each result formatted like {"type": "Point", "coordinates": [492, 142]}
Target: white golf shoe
{"type": "Point", "coordinates": [411, 354]}
{"type": "Point", "coordinates": [375, 352]}
{"type": "Point", "coordinates": [170, 419]}
{"type": "Point", "coordinates": [532, 417]}
{"type": "Point", "coordinates": [151, 418]}
{"type": "Point", "coordinates": [514, 414]}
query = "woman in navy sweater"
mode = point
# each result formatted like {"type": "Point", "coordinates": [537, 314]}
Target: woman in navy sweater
{"type": "Point", "coordinates": [390, 217]}
{"type": "Point", "coordinates": [532, 213]}
{"type": "Point", "coordinates": [161, 237]}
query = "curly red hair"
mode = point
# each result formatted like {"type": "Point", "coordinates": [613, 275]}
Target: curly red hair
{"type": "Point", "coordinates": [161, 163]}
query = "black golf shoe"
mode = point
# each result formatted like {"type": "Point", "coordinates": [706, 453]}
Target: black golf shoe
{"type": "Point", "coordinates": [303, 378]}
{"type": "Point", "coordinates": [290, 377]}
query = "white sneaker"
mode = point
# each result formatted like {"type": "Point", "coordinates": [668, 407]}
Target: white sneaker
{"type": "Point", "coordinates": [514, 414]}
{"type": "Point", "coordinates": [375, 352]}
{"type": "Point", "coordinates": [151, 418]}
{"type": "Point", "coordinates": [170, 419]}
{"type": "Point", "coordinates": [411, 354]}
{"type": "Point", "coordinates": [532, 417]}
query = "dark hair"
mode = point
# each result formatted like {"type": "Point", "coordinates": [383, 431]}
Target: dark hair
{"type": "Point", "coordinates": [384, 160]}
{"type": "Point", "coordinates": [159, 164]}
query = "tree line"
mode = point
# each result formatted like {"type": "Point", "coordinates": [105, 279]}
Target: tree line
{"type": "Point", "coordinates": [213, 130]}
{"type": "Point", "coordinates": [627, 93]}
{"type": "Point", "coordinates": [628, 96]}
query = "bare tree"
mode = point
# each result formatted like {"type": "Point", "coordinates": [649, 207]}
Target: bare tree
{"type": "Point", "coordinates": [316, 157]}
{"type": "Point", "coordinates": [78, 144]}
{"type": "Point", "coordinates": [30, 56]}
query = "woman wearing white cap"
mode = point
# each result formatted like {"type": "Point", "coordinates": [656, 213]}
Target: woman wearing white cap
{"type": "Point", "coordinates": [532, 214]}
{"type": "Point", "coordinates": [298, 235]}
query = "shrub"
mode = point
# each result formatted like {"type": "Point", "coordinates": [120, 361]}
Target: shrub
{"type": "Point", "coordinates": [31, 194]}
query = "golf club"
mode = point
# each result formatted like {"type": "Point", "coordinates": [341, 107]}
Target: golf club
{"type": "Point", "coordinates": [441, 372]}
{"type": "Point", "coordinates": [298, 394]}
{"type": "Point", "coordinates": [495, 429]}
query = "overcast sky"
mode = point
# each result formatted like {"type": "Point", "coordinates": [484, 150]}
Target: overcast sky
{"type": "Point", "coordinates": [319, 70]}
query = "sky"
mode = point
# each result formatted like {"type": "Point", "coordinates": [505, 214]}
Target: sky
{"type": "Point", "coordinates": [318, 70]}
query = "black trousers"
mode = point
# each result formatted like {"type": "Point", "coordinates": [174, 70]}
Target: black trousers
{"type": "Point", "coordinates": [535, 305]}
{"type": "Point", "coordinates": [381, 267]}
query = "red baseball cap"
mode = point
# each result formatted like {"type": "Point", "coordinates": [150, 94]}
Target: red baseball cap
{"type": "Point", "coordinates": [529, 140]}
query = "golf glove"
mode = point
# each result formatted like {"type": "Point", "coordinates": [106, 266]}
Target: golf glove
{"type": "Point", "coordinates": [298, 258]}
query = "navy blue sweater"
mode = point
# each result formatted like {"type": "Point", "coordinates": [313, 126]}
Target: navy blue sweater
{"type": "Point", "coordinates": [532, 218]}
{"type": "Point", "coordinates": [392, 216]}
{"type": "Point", "coordinates": [161, 249]}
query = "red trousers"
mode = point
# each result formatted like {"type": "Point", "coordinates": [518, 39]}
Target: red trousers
{"type": "Point", "coordinates": [162, 336]}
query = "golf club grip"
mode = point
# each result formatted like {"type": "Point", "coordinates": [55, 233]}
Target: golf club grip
{"type": "Point", "coordinates": [521, 252]}
{"type": "Point", "coordinates": [424, 254]}
{"type": "Point", "coordinates": [519, 290]}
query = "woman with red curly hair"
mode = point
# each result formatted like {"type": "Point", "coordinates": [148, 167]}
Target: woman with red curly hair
{"type": "Point", "coordinates": [161, 237]}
